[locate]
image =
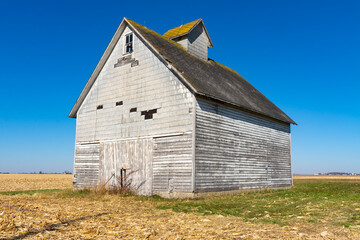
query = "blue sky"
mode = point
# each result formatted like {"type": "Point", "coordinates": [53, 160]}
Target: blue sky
{"type": "Point", "coordinates": [302, 55]}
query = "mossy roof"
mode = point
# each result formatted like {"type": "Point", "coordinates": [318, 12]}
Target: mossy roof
{"type": "Point", "coordinates": [205, 78]}
{"type": "Point", "coordinates": [181, 30]}
{"type": "Point", "coordinates": [211, 78]}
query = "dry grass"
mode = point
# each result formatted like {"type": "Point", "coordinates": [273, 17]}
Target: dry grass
{"type": "Point", "coordinates": [20, 182]}
{"type": "Point", "coordinates": [45, 216]}
{"type": "Point", "coordinates": [85, 215]}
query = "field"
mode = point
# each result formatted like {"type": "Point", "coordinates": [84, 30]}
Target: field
{"type": "Point", "coordinates": [43, 206]}
{"type": "Point", "coordinates": [330, 178]}
{"type": "Point", "coordinates": [20, 182]}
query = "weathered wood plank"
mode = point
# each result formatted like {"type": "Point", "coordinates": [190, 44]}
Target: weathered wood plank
{"type": "Point", "coordinates": [133, 155]}
{"type": "Point", "coordinates": [172, 164]}
{"type": "Point", "coordinates": [239, 150]}
{"type": "Point", "coordinates": [86, 165]}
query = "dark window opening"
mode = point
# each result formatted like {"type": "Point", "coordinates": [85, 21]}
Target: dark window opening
{"type": "Point", "coordinates": [133, 109]}
{"type": "Point", "coordinates": [99, 107]}
{"type": "Point", "coordinates": [129, 43]}
{"type": "Point", "coordinates": [119, 103]}
{"type": "Point", "coordinates": [149, 114]}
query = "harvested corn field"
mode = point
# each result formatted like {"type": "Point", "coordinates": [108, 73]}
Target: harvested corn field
{"type": "Point", "coordinates": [21, 182]}
{"type": "Point", "coordinates": [114, 217]}
{"type": "Point", "coordinates": [71, 214]}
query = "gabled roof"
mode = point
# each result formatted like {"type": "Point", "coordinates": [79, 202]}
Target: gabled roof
{"type": "Point", "coordinates": [185, 29]}
{"type": "Point", "coordinates": [205, 78]}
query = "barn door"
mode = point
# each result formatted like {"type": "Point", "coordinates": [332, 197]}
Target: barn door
{"type": "Point", "coordinates": [128, 162]}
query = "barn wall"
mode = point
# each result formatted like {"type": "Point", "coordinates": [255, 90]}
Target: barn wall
{"type": "Point", "coordinates": [172, 164]}
{"type": "Point", "coordinates": [145, 86]}
{"type": "Point", "coordinates": [238, 150]}
{"type": "Point", "coordinates": [86, 164]}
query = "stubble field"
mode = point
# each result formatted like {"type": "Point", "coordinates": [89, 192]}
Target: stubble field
{"type": "Point", "coordinates": [324, 207]}
{"type": "Point", "coordinates": [21, 182]}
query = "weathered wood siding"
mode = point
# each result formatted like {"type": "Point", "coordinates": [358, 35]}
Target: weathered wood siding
{"type": "Point", "coordinates": [150, 85]}
{"type": "Point", "coordinates": [239, 150]}
{"type": "Point", "coordinates": [172, 164]}
{"type": "Point", "coordinates": [86, 165]}
{"type": "Point", "coordinates": [146, 85]}
{"type": "Point", "coordinates": [198, 42]}
{"type": "Point", "coordinates": [135, 156]}
{"type": "Point", "coordinates": [184, 42]}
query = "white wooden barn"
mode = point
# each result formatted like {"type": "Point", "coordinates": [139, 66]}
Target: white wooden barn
{"type": "Point", "coordinates": [179, 123]}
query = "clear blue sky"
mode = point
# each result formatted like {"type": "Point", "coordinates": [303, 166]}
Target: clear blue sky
{"type": "Point", "coordinates": [302, 55]}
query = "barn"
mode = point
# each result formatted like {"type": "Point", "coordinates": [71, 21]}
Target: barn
{"type": "Point", "coordinates": [174, 122]}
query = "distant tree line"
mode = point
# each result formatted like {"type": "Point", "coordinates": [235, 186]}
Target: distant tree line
{"type": "Point", "coordinates": [338, 173]}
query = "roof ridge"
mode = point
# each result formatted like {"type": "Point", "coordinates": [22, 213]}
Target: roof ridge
{"type": "Point", "coordinates": [176, 44]}
{"type": "Point", "coordinates": [165, 38]}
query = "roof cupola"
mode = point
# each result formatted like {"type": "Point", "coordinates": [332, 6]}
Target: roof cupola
{"type": "Point", "coordinates": [193, 37]}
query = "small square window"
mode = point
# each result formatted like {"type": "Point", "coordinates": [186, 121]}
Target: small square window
{"type": "Point", "coordinates": [100, 107]}
{"type": "Point", "coordinates": [129, 43]}
{"type": "Point", "coordinates": [133, 109]}
{"type": "Point", "coordinates": [119, 103]}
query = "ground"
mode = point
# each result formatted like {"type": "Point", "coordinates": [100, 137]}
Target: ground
{"type": "Point", "coordinates": [53, 214]}
{"type": "Point", "coordinates": [19, 182]}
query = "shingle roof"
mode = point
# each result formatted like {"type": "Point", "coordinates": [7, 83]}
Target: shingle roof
{"type": "Point", "coordinates": [205, 78]}
{"type": "Point", "coordinates": [212, 79]}
{"type": "Point", "coordinates": [181, 30]}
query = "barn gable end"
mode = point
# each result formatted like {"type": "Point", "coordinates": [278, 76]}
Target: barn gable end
{"type": "Point", "coordinates": [134, 96]}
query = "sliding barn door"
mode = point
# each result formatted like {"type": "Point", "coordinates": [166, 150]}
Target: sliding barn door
{"type": "Point", "coordinates": [127, 162]}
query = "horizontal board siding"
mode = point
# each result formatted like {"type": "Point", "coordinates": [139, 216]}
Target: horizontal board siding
{"type": "Point", "coordinates": [86, 165]}
{"type": "Point", "coordinates": [150, 85]}
{"type": "Point", "coordinates": [172, 164]}
{"type": "Point", "coordinates": [234, 147]}
{"type": "Point", "coordinates": [198, 42]}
